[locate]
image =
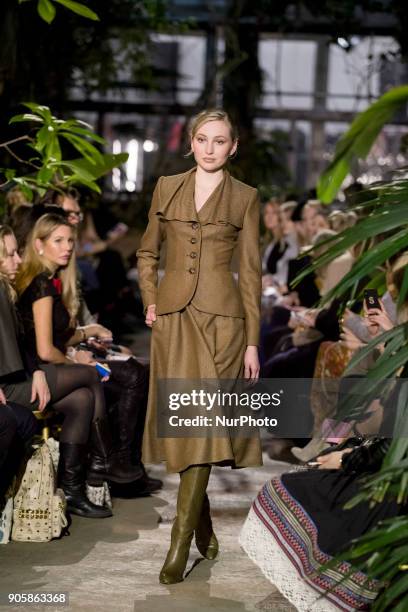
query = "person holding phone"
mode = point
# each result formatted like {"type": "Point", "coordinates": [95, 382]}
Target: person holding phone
{"type": "Point", "coordinates": [204, 324]}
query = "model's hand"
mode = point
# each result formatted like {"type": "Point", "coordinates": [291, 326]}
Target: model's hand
{"type": "Point", "coordinates": [251, 364]}
{"type": "Point", "coordinates": [40, 390]}
{"type": "Point", "coordinates": [2, 397]}
{"type": "Point", "coordinates": [151, 315]}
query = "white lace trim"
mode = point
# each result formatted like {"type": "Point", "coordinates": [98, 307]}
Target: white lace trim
{"type": "Point", "coordinates": [262, 548]}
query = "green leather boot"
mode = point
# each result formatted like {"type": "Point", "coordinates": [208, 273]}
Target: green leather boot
{"type": "Point", "coordinates": [205, 537]}
{"type": "Point", "coordinates": [193, 484]}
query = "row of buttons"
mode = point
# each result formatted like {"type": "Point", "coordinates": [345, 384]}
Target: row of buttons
{"type": "Point", "coordinates": [193, 240]}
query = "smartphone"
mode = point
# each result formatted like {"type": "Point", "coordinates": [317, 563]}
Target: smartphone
{"type": "Point", "coordinates": [313, 464]}
{"type": "Point", "coordinates": [371, 299]}
{"type": "Point", "coordinates": [103, 369]}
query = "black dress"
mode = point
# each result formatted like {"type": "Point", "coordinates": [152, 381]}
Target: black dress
{"type": "Point", "coordinates": [16, 364]}
{"type": "Point", "coordinates": [40, 287]}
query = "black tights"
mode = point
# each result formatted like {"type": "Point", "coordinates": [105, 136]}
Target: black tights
{"type": "Point", "coordinates": [78, 395]}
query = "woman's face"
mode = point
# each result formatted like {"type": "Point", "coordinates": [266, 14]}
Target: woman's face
{"type": "Point", "coordinates": [271, 216]}
{"type": "Point", "coordinates": [212, 145]}
{"type": "Point", "coordinates": [9, 265]}
{"type": "Point", "coordinates": [58, 247]}
{"type": "Point", "coordinates": [285, 218]}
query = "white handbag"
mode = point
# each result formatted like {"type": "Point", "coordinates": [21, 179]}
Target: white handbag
{"type": "Point", "coordinates": [39, 508]}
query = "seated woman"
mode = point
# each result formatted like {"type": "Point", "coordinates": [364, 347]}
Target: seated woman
{"type": "Point", "coordinates": [298, 523]}
{"type": "Point", "coordinates": [33, 385]}
{"type": "Point", "coordinates": [17, 428]}
{"type": "Point", "coordinates": [48, 304]}
{"type": "Point", "coordinates": [356, 333]}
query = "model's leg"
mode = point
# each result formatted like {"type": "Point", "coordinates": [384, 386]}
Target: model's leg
{"type": "Point", "coordinates": [190, 498]}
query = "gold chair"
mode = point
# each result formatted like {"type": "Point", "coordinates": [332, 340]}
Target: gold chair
{"type": "Point", "coordinates": [45, 417]}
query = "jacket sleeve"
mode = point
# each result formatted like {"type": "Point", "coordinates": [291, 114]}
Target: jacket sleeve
{"type": "Point", "coordinates": [10, 357]}
{"type": "Point", "coordinates": [148, 255]}
{"type": "Point", "coordinates": [250, 270]}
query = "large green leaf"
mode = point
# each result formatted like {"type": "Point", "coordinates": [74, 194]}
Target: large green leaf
{"type": "Point", "coordinates": [79, 9]}
{"type": "Point", "coordinates": [109, 162]}
{"type": "Point", "coordinates": [39, 109]}
{"type": "Point", "coordinates": [84, 147]}
{"type": "Point", "coordinates": [358, 140]}
{"type": "Point", "coordinates": [73, 129]}
{"type": "Point", "coordinates": [46, 10]}
{"type": "Point", "coordinates": [26, 117]}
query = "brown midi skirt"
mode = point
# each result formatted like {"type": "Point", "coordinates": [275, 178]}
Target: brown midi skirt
{"type": "Point", "coordinates": [192, 344]}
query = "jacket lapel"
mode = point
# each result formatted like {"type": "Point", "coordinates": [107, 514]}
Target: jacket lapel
{"type": "Point", "coordinates": [177, 198]}
{"type": "Point", "coordinates": [223, 206]}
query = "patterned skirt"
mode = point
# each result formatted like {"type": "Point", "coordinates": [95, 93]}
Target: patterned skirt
{"type": "Point", "coordinates": [297, 524]}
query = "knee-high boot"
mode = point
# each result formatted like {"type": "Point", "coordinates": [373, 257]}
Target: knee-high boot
{"type": "Point", "coordinates": [71, 479]}
{"type": "Point", "coordinates": [205, 537]}
{"type": "Point", "coordinates": [105, 464]}
{"type": "Point", "coordinates": [193, 484]}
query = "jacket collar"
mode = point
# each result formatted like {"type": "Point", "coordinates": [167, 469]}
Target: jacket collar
{"type": "Point", "coordinates": [178, 200]}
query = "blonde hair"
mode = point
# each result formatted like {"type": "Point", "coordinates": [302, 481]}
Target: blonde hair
{"type": "Point", "coordinates": [16, 198]}
{"type": "Point", "coordinates": [339, 220]}
{"type": "Point", "coordinates": [288, 207]}
{"type": "Point", "coordinates": [33, 264]}
{"type": "Point", "coordinates": [212, 115]}
{"type": "Point", "coordinates": [5, 230]}
{"type": "Point", "coordinates": [276, 234]}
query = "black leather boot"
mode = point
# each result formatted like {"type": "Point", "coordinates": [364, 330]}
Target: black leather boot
{"type": "Point", "coordinates": [71, 479]}
{"type": "Point", "coordinates": [105, 463]}
{"type": "Point", "coordinates": [142, 487]}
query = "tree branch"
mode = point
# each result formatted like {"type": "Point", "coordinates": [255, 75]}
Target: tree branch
{"type": "Point", "coordinates": [22, 161]}
{"type": "Point", "coordinates": [19, 139]}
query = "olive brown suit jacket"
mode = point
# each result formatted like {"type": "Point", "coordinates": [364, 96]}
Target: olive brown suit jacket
{"type": "Point", "coordinates": [200, 246]}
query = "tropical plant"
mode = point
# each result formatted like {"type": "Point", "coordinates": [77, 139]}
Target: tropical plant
{"type": "Point", "coordinates": [44, 166]}
{"type": "Point", "coordinates": [357, 142]}
{"type": "Point", "coordinates": [47, 9]}
{"type": "Point", "coordinates": [382, 553]}
{"type": "Point", "coordinates": [380, 233]}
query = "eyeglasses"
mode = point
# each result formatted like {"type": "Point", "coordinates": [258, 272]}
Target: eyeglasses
{"type": "Point", "coordinates": [74, 213]}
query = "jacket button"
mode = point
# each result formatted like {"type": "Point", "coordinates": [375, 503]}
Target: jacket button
{"type": "Point", "coordinates": [193, 240]}
{"type": "Point", "coordinates": [195, 225]}
{"type": "Point", "coordinates": [192, 270]}
{"type": "Point", "coordinates": [193, 255]}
